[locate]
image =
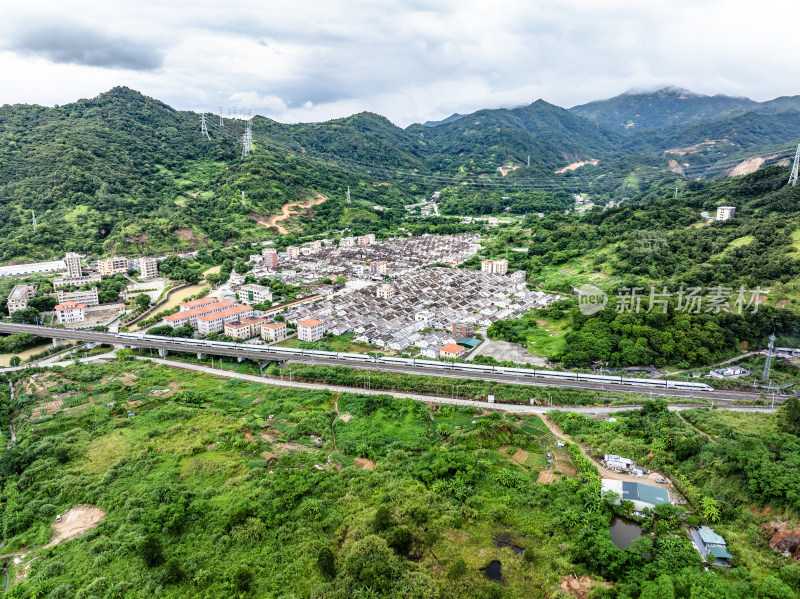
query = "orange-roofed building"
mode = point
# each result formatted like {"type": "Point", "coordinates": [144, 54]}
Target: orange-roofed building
{"type": "Point", "coordinates": [310, 330]}
{"type": "Point", "coordinates": [451, 351]}
{"type": "Point", "coordinates": [70, 312]}
{"type": "Point", "coordinates": [197, 303]}
{"type": "Point", "coordinates": [215, 322]}
{"type": "Point", "coordinates": [275, 331]}
{"type": "Point", "coordinates": [190, 316]}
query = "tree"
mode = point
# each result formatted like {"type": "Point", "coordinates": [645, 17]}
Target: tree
{"type": "Point", "coordinates": [142, 301]}
{"type": "Point", "coordinates": [789, 416]}
{"type": "Point", "coordinates": [26, 316]}
{"type": "Point", "coordinates": [124, 355]}
{"type": "Point", "coordinates": [709, 509]}
{"type": "Point", "coordinates": [382, 519]}
{"type": "Point", "coordinates": [15, 361]}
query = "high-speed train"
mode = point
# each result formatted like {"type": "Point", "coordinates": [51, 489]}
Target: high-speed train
{"type": "Point", "coordinates": [520, 373]}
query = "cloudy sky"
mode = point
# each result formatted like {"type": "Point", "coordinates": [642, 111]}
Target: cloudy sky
{"type": "Point", "coordinates": [410, 60]}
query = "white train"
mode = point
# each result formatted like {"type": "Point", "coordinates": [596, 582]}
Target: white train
{"type": "Point", "coordinates": [520, 373]}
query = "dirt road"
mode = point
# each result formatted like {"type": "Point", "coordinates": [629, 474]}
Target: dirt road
{"type": "Point", "coordinates": [286, 213]}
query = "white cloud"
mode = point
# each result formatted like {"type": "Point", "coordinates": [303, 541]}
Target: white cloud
{"type": "Point", "coordinates": [411, 60]}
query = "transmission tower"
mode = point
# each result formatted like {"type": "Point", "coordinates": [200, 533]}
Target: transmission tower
{"type": "Point", "coordinates": [247, 139]}
{"type": "Point", "coordinates": [348, 194]}
{"type": "Point", "coordinates": [221, 122]}
{"type": "Point", "coordinates": [793, 176]}
{"type": "Point", "coordinates": [34, 220]}
{"type": "Point", "coordinates": [769, 357]}
{"type": "Point", "coordinates": [203, 127]}
{"type": "Point", "coordinates": [242, 199]}
{"type": "Point", "coordinates": [529, 161]}
{"type": "Point", "coordinates": [676, 192]}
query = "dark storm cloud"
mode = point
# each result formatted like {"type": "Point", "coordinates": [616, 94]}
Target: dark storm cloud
{"type": "Point", "coordinates": [74, 44]}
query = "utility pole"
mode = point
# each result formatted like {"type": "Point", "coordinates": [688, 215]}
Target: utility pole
{"type": "Point", "coordinates": [767, 364]}
{"type": "Point", "coordinates": [243, 200]}
{"type": "Point", "coordinates": [34, 220]}
{"type": "Point", "coordinates": [529, 161]}
{"type": "Point", "coordinates": [203, 127]}
{"type": "Point", "coordinates": [793, 176]}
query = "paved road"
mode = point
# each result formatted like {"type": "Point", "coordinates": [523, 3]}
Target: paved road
{"type": "Point", "coordinates": [245, 352]}
{"type": "Point", "coordinates": [513, 408]}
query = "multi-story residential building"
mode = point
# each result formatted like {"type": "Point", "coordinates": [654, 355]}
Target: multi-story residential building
{"type": "Point", "coordinates": [725, 212]}
{"type": "Point", "coordinates": [274, 331]}
{"type": "Point", "coordinates": [112, 266]}
{"type": "Point", "coordinates": [384, 291]}
{"type": "Point", "coordinates": [238, 329]}
{"type": "Point", "coordinates": [310, 330]}
{"type": "Point", "coordinates": [190, 316]}
{"type": "Point", "coordinates": [314, 245]}
{"type": "Point", "coordinates": [379, 267]}
{"type": "Point", "coordinates": [451, 351]}
{"type": "Point", "coordinates": [361, 270]}
{"type": "Point", "coordinates": [76, 281]}
{"type": "Point", "coordinates": [292, 252]}
{"type": "Point", "coordinates": [366, 239]}
{"type": "Point", "coordinates": [73, 262]}
{"type": "Point", "coordinates": [270, 257]}
{"type": "Point", "coordinates": [197, 303]}
{"type": "Point", "coordinates": [462, 330]}
{"type": "Point", "coordinates": [347, 242]}
{"type": "Point", "coordinates": [87, 296]}
{"type": "Point", "coordinates": [19, 297]}
{"type": "Point", "coordinates": [70, 312]}
{"type": "Point", "coordinates": [519, 276]}
{"type": "Point", "coordinates": [215, 321]}
{"type": "Point", "coordinates": [254, 294]}
{"type": "Point", "coordinates": [494, 267]}
{"type": "Point", "coordinates": [256, 322]}
{"type": "Point", "coordinates": [148, 269]}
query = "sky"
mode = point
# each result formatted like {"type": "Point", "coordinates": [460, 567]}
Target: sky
{"type": "Point", "coordinates": [411, 61]}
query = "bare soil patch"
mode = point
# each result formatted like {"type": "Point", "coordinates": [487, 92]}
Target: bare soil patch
{"type": "Point", "coordinates": [576, 165]}
{"type": "Point", "coordinates": [580, 587]}
{"type": "Point", "coordinates": [286, 213]}
{"type": "Point", "coordinates": [75, 522]}
{"type": "Point", "coordinates": [547, 477]}
{"type": "Point", "coordinates": [364, 464]}
{"type": "Point", "coordinates": [519, 456]}
{"type": "Point", "coordinates": [346, 417]}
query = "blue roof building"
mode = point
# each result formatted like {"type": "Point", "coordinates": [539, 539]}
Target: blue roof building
{"type": "Point", "coordinates": [710, 543]}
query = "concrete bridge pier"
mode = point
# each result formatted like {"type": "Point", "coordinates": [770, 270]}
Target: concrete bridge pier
{"type": "Point", "coordinates": [57, 342]}
{"type": "Point", "coordinates": [162, 353]}
{"type": "Point", "coordinates": [200, 356]}
{"type": "Point", "coordinates": [240, 359]}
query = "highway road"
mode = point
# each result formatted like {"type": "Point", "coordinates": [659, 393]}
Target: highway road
{"type": "Point", "coordinates": [260, 354]}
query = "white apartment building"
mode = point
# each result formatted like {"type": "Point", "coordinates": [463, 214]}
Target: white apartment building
{"type": "Point", "coordinates": [239, 330]}
{"type": "Point", "coordinates": [70, 312]}
{"type": "Point", "coordinates": [254, 294]}
{"type": "Point", "coordinates": [73, 262]}
{"type": "Point", "coordinates": [75, 281]}
{"type": "Point", "coordinates": [215, 322]}
{"type": "Point", "coordinates": [190, 316]}
{"type": "Point", "coordinates": [725, 212]}
{"type": "Point", "coordinates": [292, 252]}
{"type": "Point", "coordinates": [384, 291]}
{"type": "Point", "coordinates": [87, 296]}
{"type": "Point", "coordinates": [148, 269]}
{"type": "Point", "coordinates": [112, 266]}
{"type": "Point", "coordinates": [275, 331]}
{"type": "Point", "coordinates": [494, 267]}
{"type": "Point", "coordinates": [361, 270]}
{"type": "Point", "coordinates": [310, 330]}
{"type": "Point", "coordinates": [19, 297]}
{"type": "Point", "coordinates": [347, 242]}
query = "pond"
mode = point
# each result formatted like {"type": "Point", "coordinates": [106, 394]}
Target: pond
{"type": "Point", "coordinates": [494, 571]}
{"type": "Point", "coordinates": [624, 532]}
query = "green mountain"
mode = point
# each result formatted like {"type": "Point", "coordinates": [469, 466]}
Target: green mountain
{"type": "Point", "coordinates": [668, 106]}
{"type": "Point", "coordinates": [487, 139]}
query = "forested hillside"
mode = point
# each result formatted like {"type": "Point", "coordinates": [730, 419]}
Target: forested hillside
{"type": "Point", "coordinates": [128, 174]}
